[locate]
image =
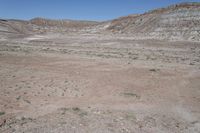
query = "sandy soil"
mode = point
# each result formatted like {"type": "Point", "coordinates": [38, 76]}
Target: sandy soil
{"type": "Point", "coordinates": [101, 84]}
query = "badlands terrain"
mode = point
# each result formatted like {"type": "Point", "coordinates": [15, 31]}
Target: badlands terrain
{"type": "Point", "coordinates": [134, 74]}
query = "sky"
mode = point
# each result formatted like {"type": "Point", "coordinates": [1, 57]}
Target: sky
{"type": "Point", "coordinates": [97, 10]}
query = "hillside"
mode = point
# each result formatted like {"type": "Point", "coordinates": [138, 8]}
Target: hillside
{"type": "Point", "coordinates": [180, 22]}
{"type": "Point", "coordinates": [15, 26]}
{"type": "Point", "coordinates": [176, 22]}
{"type": "Point", "coordinates": [61, 23]}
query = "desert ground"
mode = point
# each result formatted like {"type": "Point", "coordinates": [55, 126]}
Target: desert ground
{"type": "Point", "coordinates": [95, 83]}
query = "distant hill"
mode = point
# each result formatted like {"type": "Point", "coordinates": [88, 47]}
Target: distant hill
{"type": "Point", "coordinates": [61, 23]}
{"type": "Point", "coordinates": [176, 22]}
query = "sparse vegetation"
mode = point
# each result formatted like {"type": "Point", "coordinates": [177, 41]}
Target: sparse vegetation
{"type": "Point", "coordinates": [154, 70]}
{"type": "Point", "coordinates": [129, 94]}
{"type": "Point", "coordinates": [64, 110]}
{"type": "Point", "coordinates": [82, 114]}
{"type": "Point", "coordinates": [2, 113]}
{"type": "Point", "coordinates": [18, 98]}
{"type": "Point", "coordinates": [27, 101]}
{"type": "Point", "coordinates": [76, 109]}
{"type": "Point", "coordinates": [23, 118]}
{"type": "Point", "coordinates": [130, 116]}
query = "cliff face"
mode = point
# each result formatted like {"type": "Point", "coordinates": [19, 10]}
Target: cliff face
{"type": "Point", "coordinates": [180, 21]}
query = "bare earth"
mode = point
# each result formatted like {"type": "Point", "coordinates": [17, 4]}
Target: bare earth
{"type": "Point", "coordinates": [98, 84]}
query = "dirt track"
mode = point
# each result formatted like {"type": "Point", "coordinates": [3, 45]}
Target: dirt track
{"type": "Point", "coordinates": [94, 83]}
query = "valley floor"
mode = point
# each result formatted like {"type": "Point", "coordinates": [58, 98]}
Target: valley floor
{"type": "Point", "coordinates": [96, 83]}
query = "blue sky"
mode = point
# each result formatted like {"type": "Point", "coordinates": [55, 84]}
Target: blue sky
{"type": "Point", "coordinates": [98, 10]}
